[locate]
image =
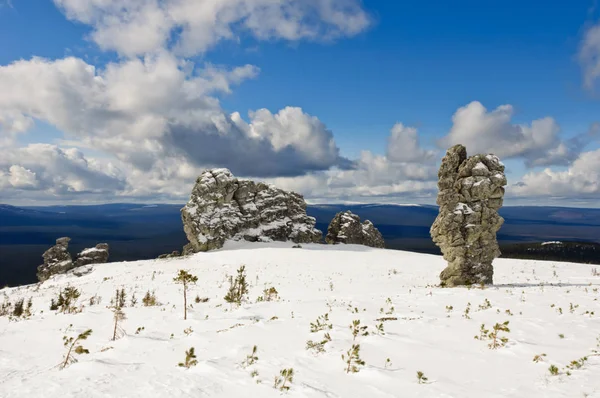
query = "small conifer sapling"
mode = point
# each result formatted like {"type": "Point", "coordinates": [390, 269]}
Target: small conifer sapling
{"type": "Point", "coordinates": [352, 359]}
{"type": "Point", "coordinates": [73, 348]}
{"type": "Point", "coordinates": [286, 377]}
{"type": "Point", "coordinates": [421, 378]}
{"type": "Point", "coordinates": [322, 323]}
{"type": "Point", "coordinates": [250, 358]}
{"type": "Point", "coordinates": [185, 278]}
{"type": "Point", "coordinates": [118, 314]}
{"type": "Point", "coordinates": [238, 287]}
{"type": "Point", "coordinates": [357, 329]}
{"type": "Point", "coordinates": [190, 359]}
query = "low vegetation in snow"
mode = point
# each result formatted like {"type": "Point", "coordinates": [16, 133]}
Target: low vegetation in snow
{"type": "Point", "coordinates": [328, 322]}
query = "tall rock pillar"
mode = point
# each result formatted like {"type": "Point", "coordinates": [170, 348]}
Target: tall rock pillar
{"type": "Point", "coordinates": [471, 191]}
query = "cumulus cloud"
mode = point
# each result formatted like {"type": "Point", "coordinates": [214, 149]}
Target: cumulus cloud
{"type": "Point", "coordinates": [403, 145]}
{"type": "Point", "coordinates": [55, 172]}
{"type": "Point", "coordinates": [589, 56]}
{"type": "Point", "coordinates": [155, 115]}
{"type": "Point", "coordinates": [538, 143]}
{"type": "Point", "coordinates": [145, 110]}
{"type": "Point", "coordinates": [581, 179]}
{"type": "Point", "coordinates": [189, 27]}
{"type": "Point", "coordinates": [407, 172]}
{"type": "Point", "coordinates": [19, 177]}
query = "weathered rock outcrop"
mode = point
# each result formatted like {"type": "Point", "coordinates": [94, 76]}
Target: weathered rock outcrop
{"type": "Point", "coordinates": [470, 194]}
{"type": "Point", "coordinates": [224, 207]}
{"type": "Point", "coordinates": [93, 255]}
{"type": "Point", "coordinates": [347, 228]}
{"type": "Point", "coordinates": [57, 260]}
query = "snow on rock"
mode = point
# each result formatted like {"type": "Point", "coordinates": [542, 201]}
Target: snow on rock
{"type": "Point", "coordinates": [224, 207]}
{"type": "Point", "coordinates": [57, 260]}
{"type": "Point", "coordinates": [93, 255]}
{"type": "Point", "coordinates": [345, 227]}
{"type": "Point", "coordinates": [471, 191]}
{"type": "Point", "coordinates": [426, 332]}
{"type": "Point", "coordinates": [552, 243]}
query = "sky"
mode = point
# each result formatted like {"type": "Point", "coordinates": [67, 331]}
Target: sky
{"type": "Point", "coordinates": [340, 100]}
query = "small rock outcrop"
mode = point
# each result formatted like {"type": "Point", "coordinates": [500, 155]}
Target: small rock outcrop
{"type": "Point", "coordinates": [93, 255]}
{"type": "Point", "coordinates": [347, 228]}
{"type": "Point", "coordinates": [57, 260]}
{"type": "Point", "coordinates": [471, 191]}
{"type": "Point", "coordinates": [224, 207]}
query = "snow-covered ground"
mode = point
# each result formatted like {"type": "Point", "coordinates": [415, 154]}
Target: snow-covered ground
{"type": "Point", "coordinates": [429, 334]}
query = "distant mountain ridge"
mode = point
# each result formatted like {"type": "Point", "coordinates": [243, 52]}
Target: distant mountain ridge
{"type": "Point", "coordinates": [143, 231]}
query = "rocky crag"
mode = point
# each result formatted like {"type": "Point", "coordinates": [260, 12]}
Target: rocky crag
{"type": "Point", "coordinates": [57, 259]}
{"type": "Point", "coordinates": [93, 255]}
{"type": "Point", "coordinates": [471, 191]}
{"type": "Point", "coordinates": [346, 227]}
{"type": "Point", "coordinates": [224, 207]}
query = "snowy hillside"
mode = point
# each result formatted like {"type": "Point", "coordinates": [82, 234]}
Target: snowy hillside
{"type": "Point", "coordinates": [552, 309]}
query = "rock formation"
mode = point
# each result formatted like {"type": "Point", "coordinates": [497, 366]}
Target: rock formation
{"type": "Point", "coordinates": [93, 255]}
{"type": "Point", "coordinates": [57, 260]}
{"type": "Point", "coordinates": [224, 207]}
{"type": "Point", "coordinates": [470, 194]}
{"type": "Point", "coordinates": [347, 228]}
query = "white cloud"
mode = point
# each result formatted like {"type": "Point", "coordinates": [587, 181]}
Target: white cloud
{"type": "Point", "coordinates": [18, 177]}
{"type": "Point", "coordinates": [408, 172]}
{"type": "Point", "coordinates": [292, 128]}
{"type": "Point", "coordinates": [589, 56]}
{"type": "Point", "coordinates": [581, 179]}
{"type": "Point", "coordinates": [54, 172]}
{"type": "Point", "coordinates": [538, 143]}
{"type": "Point", "coordinates": [142, 111]}
{"type": "Point", "coordinates": [403, 145]}
{"type": "Point", "coordinates": [156, 115]}
{"type": "Point", "coordinates": [136, 27]}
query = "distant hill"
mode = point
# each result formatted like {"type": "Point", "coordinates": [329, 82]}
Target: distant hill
{"type": "Point", "coordinates": [578, 252]}
{"type": "Point", "coordinates": [407, 227]}
{"type": "Point", "coordinates": [137, 231]}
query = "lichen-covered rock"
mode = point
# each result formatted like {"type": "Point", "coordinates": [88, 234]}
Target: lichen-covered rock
{"type": "Point", "coordinates": [93, 255]}
{"type": "Point", "coordinates": [471, 191]}
{"type": "Point", "coordinates": [224, 207]}
{"type": "Point", "coordinates": [57, 260]}
{"type": "Point", "coordinates": [347, 228]}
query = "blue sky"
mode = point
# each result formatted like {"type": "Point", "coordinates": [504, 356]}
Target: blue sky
{"type": "Point", "coordinates": [414, 63]}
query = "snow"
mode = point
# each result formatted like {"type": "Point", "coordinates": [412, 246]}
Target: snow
{"type": "Point", "coordinates": [481, 166]}
{"type": "Point", "coordinates": [494, 159]}
{"type": "Point", "coordinates": [463, 208]}
{"type": "Point", "coordinates": [552, 243]}
{"type": "Point", "coordinates": [91, 250]}
{"type": "Point", "coordinates": [311, 281]}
